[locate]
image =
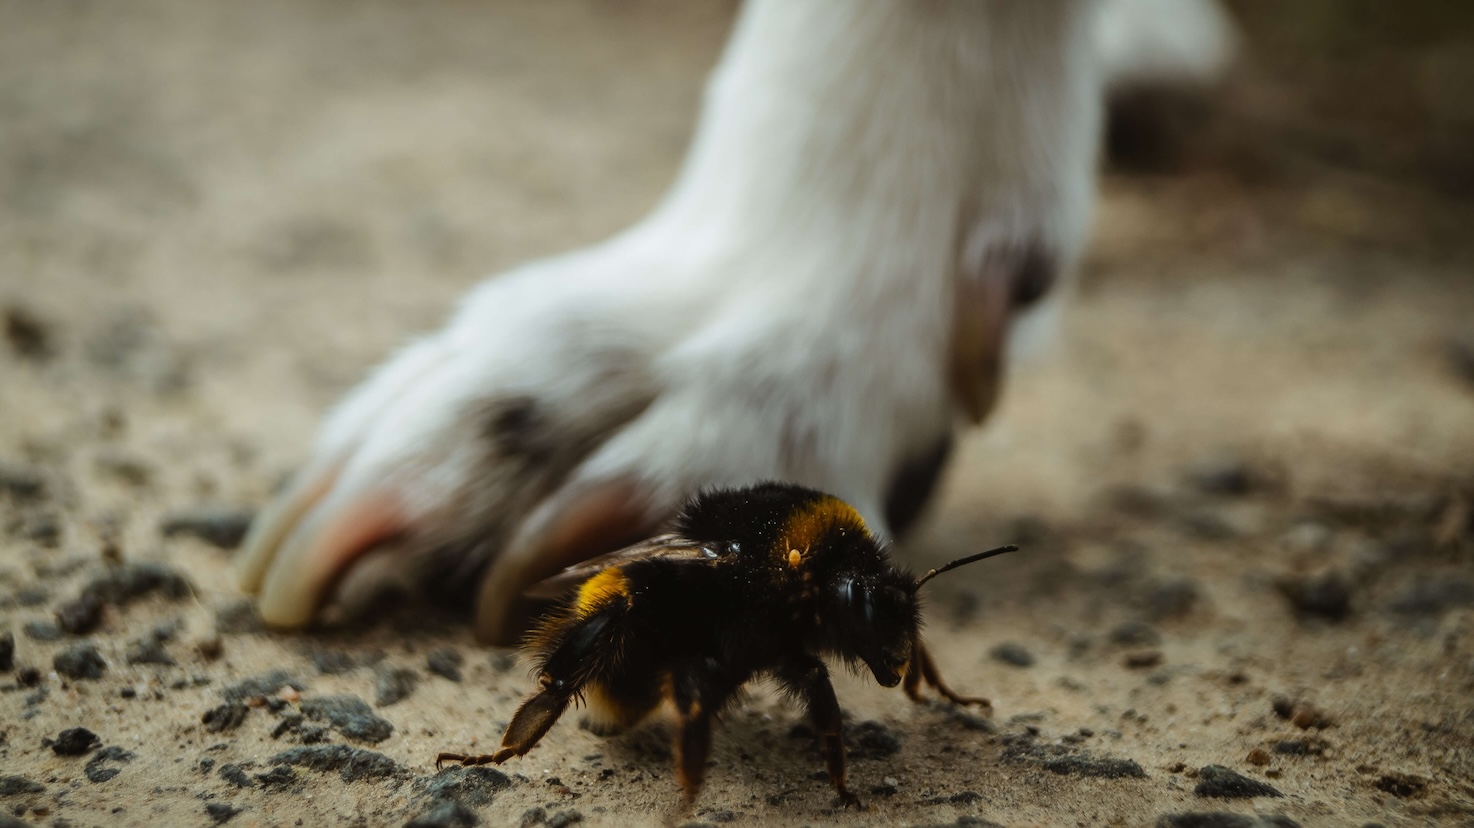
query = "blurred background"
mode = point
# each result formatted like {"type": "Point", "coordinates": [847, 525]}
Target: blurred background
{"type": "Point", "coordinates": [1257, 418]}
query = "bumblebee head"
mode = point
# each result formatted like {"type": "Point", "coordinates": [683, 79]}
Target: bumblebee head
{"type": "Point", "coordinates": [876, 620]}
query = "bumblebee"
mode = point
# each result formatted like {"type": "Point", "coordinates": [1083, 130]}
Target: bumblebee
{"type": "Point", "coordinates": [761, 581]}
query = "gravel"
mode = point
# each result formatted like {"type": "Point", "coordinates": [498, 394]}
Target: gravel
{"type": "Point", "coordinates": [1218, 781]}
{"type": "Point", "coordinates": [221, 526]}
{"type": "Point", "coordinates": [393, 684]}
{"type": "Point", "coordinates": [7, 651]}
{"type": "Point", "coordinates": [1013, 654]}
{"type": "Point", "coordinates": [82, 661]}
{"type": "Point", "coordinates": [350, 716]}
{"type": "Point", "coordinates": [98, 769]}
{"type": "Point", "coordinates": [220, 812]}
{"type": "Point", "coordinates": [352, 763]}
{"type": "Point", "coordinates": [74, 741]}
{"type": "Point", "coordinates": [445, 662]}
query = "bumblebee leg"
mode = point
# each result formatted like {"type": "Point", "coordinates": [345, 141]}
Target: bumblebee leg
{"type": "Point", "coordinates": [698, 693]}
{"type": "Point", "coordinates": [922, 667]}
{"type": "Point", "coordinates": [808, 679]}
{"type": "Point", "coordinates": [564, 673]}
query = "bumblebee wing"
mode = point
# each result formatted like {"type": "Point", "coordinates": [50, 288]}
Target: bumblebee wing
{"type": "Point", "coordinates": [669, 547]}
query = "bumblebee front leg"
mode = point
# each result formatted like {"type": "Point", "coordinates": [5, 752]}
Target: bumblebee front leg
{"type": "Point", "coordinates": [808, 679]}
{"type": "Point", "coordinates": [923, 668]}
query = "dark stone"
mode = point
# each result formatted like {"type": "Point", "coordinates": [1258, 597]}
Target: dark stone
{"type": "Point", "coordinates": [7, 651]}
{"type": "Point", "coordinates": [1143, 659]}
{"type": "Point", "coordinates": [1401, 785]}
{"type": "Point", "coordinates": [1216, 780]}
{"type": "Point", "coordinates": [333, 662]}
{"type": "Point", "coordinates": [29, 335]}
{"type": "Point", "coordinates": [82, 661]}
{"type": "Point", "coordinates": [350, 715]}
{"type": "Point", "coordinates": [238, 617]}
{"type": "Point", "coordinates": [17, 785]}
{"type": "Point", "coordinates": [31, 596]}
{"type": "Point", "coordinates": [74, 741]}
{"type": "Point", "coordinates": [97, 769]}
{"type": "Point", "coordinates": [1301, 747]}
{"type": "Point", "coordinates": [221, 526]}
{"type": "Point", "coordinates": [261, 686]}
{"type": "Point", "coordinates": [1136, 634]}
{"type": "Point", "coordinates": [1224, 476]}
{"type": "Point", "coordinates": [228, 716]}
{"type": "Point", "coordinates": [21, 483]}
{"type": "Point", "coordinates": [1097, 767]}
{"type": "Point", "coordinates": [563, 819]}
{"type": "Point", "coordinates": [474, 786]}
{"type": "Point", "coordinates": [42, 630]}
{"type": "Point", "coordinates": [81, 615]}
{"type": "Point", "coordinates": [352, 763]}
{"type": "Point", "coordinates": [1172, 599]}
{"type": "Point", "coordinates": [445, 813]}
{"type": "Point", "coordinates": [236, 775]}
{"type": "Point", "coordinates": [42, 527]}
{"type": "Point", "coordinates": [279, 778]}
{"type": "Point", "coordinates": [1327, 595]}
{"type": "Point", "coordinates": [1433, 596]}
{"type": "Point", "coordinates": [131, 581]}
{"type": "Point", "coordinates": [871, 740]}
{"type": "Point", "coordinates": [149, 651]}
{"type": "Point", "coordinates": [220, 812]}
{"type": "Point", "coordinates": [393, 684]}
{"type": "Point", "coordinates": [445, 662]}
{"type": "Point", "coordinates": [28, 677]}
{"type": "Point", "coordinates": [8, 821]}
{"type": "Point", "coordinates": [1013, 654]}
{"type": "Point", "coordinates": [1220, 819]}
{"type": "Point", "coordinates": [533, 816]}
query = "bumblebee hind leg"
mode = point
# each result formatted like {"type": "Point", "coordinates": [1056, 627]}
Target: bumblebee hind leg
{"type": "Point", "coordinates": [566, 671]}
{"type": "Point", "coordinates": [922, 668]}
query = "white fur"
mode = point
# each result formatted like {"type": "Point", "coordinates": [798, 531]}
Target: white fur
{"type": "Point", "coordinates": [786, 312]}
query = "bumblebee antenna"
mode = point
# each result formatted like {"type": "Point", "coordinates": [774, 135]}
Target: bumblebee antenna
{"type": "Point", "coordinates": [963, 562]}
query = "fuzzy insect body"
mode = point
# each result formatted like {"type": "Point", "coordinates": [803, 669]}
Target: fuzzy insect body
{"type": "Point", "coordinates": [764, 581]}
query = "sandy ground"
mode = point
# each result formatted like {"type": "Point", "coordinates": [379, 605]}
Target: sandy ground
{"type": "Point", "coordinates": [1244, 474]}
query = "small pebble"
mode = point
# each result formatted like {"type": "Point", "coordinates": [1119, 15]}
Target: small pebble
{"type": "Point", "coordinates": [1135, 634]}
{"type": "Point", "coordinates": [1143, 659]}
{"type": "Point", "coordinates": [74, 741]}
{"type": "Point", "coordinates": [149, 651]}
{"type": "Point", "coordinates": [445, 813]}
{"type": "Point", "coordinates": [220, 812]}
{"type": "Point", "coordinates": [81, 615]}
{"type": "Point", "coordinates": [82, 661]}
{"type": "Point", "coordinates": [29, 335]}
{"type": "Point", "coordinates": [1218, 781]}
{"type": "Point", "coordinates": [1258, 756]}
{"type": "Point", "coordinates": [393, 684]}
{"type": "Point", "coordinates": [210, 647]}
{"type": "Point", "coordinates": [7, 651]}
{"type": "Point", "coordinates": [42, 630]}
{"type": "Point", "coordinates": [445, 662]}
{"type": "Point", "coordinates": [1401, 785]}
{"type": "Point", "coordinates": [350, 716]}
{"type": "Point", "coordinates": [221, 526]}
{"type": "Point", "coordinates": [1228, 476]}
{"type": "Point", "coordinates": [1326, 595]}
{"type": "Point", "coordinates": [21, 483]}
{"type": "Point", "coordinates": [1013, 654]}
{"type": "Point", "coordinates": [563, 819]}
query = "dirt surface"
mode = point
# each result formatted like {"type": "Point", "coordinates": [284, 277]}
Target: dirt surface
{"type": "Point", "coordinates": [1243, 474]}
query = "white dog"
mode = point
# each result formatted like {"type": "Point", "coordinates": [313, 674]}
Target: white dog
{"type": "Point", "coordinates": [877, 196]}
